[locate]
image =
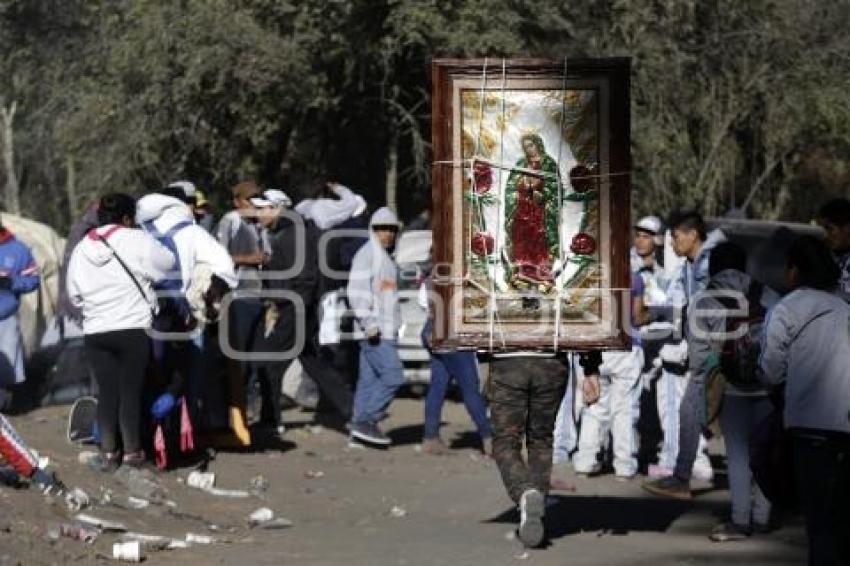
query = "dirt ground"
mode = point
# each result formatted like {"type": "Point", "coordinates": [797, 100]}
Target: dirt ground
{"type": "Point", "coordinates": [363, 507]}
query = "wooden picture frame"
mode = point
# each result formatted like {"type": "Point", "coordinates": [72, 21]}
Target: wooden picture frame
{"type": "Point", "coordinates": [531, 205]}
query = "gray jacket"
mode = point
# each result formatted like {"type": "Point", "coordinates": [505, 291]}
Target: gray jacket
{"type": "Point", "coordinates": [373, 284]}
{"type": "Point", "coordinates": [807, 347]}
{"type": "Point", "coordinates": [707, 322]}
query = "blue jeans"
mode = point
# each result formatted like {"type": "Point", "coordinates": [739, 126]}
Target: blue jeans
{"type": "Point", "coordinates": [381, 374]}
{"type": "Point", "coordinates": [739, 417]}
{"type": "Point", "coordinates": [462, 367]}
{"type": "Point", "coordinates": [691, 422]}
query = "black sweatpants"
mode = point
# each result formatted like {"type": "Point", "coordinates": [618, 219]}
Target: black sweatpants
{"type": "Point", "coordinates": [119, 360]}
{"type": "Point", "coordinates": [822, 466]}
{"type": "Point", "coordinates": [333, 384]}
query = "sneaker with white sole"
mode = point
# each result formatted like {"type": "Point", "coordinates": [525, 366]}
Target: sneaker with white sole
{"type": "Point", "coordinates": [702, 474]}
{"type": "Point", "coordinates": [657, 471]}
{"type": "Point", "coordinates": [369, 432]}
{"type": "Point", "coordinates": [532, 507]}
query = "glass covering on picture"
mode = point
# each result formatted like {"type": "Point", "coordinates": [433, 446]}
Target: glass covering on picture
{"type": "Point", "coordinates": [531, 195]}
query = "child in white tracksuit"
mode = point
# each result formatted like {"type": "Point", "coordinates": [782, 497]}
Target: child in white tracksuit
{"type": "Point", "coordinates": [618, 406]}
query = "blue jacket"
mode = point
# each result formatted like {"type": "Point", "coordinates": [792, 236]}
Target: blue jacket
{"type": "Point", "coordinates": [17, 263]}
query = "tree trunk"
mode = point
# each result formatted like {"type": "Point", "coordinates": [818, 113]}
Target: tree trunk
{"type": "Point", "coordinates": [392, 173]}
{"type": "Point", "coordinates": [71, 189]}
{"type": "Point", "coordinates": [11, 193]}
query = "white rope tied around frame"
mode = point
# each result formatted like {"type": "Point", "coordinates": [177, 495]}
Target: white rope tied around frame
{"type": "Point", "coordinates": [481, 101]}
{"type": "Point", "coordinates": [538, 173]}
{"type": "Point", "coordinates": [558, 290]}
{"type": "Point", "coordinates": [492, 301]}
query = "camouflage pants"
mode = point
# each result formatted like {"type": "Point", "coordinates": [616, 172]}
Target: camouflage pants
{"type": "Point", "coordinates": [525, 394]}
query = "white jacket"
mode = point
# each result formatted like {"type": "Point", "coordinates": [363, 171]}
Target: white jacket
{"type": "Point", "coordinates": [373, 284]}
{"type": "Point", "coordinates": [328, 212]}
{"type": "Point", "coordinates": [104, 291]}
{"type": "Point", "coordinates": [195, 246]}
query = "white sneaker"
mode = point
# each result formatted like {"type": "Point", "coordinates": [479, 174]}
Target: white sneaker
{"type": "Point", "coordinates": [702, 474]}
{"type": "Point", "coordinates": [532, 506]}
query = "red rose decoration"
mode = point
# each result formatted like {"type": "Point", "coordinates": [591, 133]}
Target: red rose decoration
{"type": "Point", "coordinates": [583, 244]}
{"type": "Point", "coordinates": [483, 243]}
{"type": "Point", "coordinates": [482, 177]}
{"type": "Point", "coordinates": [582, 179]}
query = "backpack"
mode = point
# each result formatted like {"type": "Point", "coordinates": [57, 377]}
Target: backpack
{"type": "Point", "coordinates": [739, 358]}
{"type": "Point", "coordinates": [174, 313]}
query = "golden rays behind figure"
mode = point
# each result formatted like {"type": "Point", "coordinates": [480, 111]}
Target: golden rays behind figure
{"type": "Point", "coordinates": [563, 125]}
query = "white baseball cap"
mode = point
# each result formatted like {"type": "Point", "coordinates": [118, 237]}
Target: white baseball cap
{"type": "Point", "coordinates": [650, 224]}
{"type": "Point", "coordinates": [188, 187]}
{"type": "Point", "coordinates": [277, 197]}
{"type": "Point", "coordinates": [270, 198]}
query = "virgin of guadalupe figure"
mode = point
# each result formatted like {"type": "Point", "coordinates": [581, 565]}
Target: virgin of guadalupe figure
{"type": "Point", "coordinates": [531, 214]}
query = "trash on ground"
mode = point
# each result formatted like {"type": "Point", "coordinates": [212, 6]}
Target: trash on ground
{"type": "Point", "coordinates": [205, 481]}
{"type": "Point", "coordinates": [201, 480]}
{"type": "Point", "coordinates": [524, 556]}
{"type": "Point", "coordinates": [314, 474]}
{"type": "Point", "coordinates": [139, 485]}
{"type": "Point", "coordinates": [233, 493]}
{"type": "Point", "coordinates": [103, 524]}
{"type": "Point", "coordinates": [137, 503]}
{"type": "Point", "coordinates": [261, 515]}
{"type": "Point", "coordinates": [75, 532]}
{"type": "Point", "coordinates": [276, 523]}
{"type": "Point", "coordinates": [149, 543]}
{"type": "Point", "coordinates": [127, 551]}
{"type": "Point", "coordinates": [398, 512]}
{"type": "Point", "coordinates": [192, 538]}
{"type": "Point", "coordinates": [77, 500]}
{"type": "Point", "coordinates": [259, 483]}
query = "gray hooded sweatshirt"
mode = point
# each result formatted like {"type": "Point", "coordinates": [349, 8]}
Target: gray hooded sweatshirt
{"type": "Point", "coordinates": [806, 345]}
{"type": "Point", "coordinates": [373, 283]}
{"type": "Point", "coordinates": [707, 322]}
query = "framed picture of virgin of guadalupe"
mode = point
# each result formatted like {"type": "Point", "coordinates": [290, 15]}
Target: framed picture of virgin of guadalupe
{"type": "Point", "coordinates": [531, 183]}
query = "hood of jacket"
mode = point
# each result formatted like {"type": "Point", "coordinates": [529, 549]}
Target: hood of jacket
{"type": "Point", "coordinates": [93, 250]}
{"type": "Point", "coordinates": [154, 206]}
{"type": "Point", "coordinates": [711, 240]}
{"type": "Point", "coordinates": [384, 217]}
{"type": "Point", "coordinates": [731, 279]}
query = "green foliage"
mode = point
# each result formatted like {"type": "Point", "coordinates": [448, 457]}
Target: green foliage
{"type": "Point", "coordinates": [733, 103]}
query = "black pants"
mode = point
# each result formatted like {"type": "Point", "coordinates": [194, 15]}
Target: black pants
{"type": "Point", "coordinates": [822, 468]}
{"type": "Point", "coordinates": [119, 361]}
{"type": "Point", "coordinates": [333, 384]}
{"type": "Point", "coordinates": [525, 394]}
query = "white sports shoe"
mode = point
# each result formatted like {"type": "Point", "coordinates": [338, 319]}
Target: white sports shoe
{"type": "Point", "coordinates": [531, 507]}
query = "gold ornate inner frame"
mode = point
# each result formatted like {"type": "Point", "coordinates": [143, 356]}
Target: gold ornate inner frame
{"type": "Point", "coordinates": [531, 184]}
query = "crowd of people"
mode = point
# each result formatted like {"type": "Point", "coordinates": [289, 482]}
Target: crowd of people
{"type": "Point", "coordinates": [189, 326]}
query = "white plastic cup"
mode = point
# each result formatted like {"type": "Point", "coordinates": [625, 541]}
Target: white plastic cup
{"type": "Point", "coordinates": [127, 551]}
{"type": "Point", "coordinates": [261, 515]}
{"type": "Point", "coordinates": [201, 480]}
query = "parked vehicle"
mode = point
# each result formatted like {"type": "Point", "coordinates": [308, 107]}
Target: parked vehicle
{"type": "Point", "coordinates": [413, 256]}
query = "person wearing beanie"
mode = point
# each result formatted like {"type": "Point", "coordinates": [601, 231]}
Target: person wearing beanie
{"type": "Point", "coordinates": [373, 296]}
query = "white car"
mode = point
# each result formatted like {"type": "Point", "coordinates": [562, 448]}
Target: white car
{"type": "Point", "coordinates": [413, 256]}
